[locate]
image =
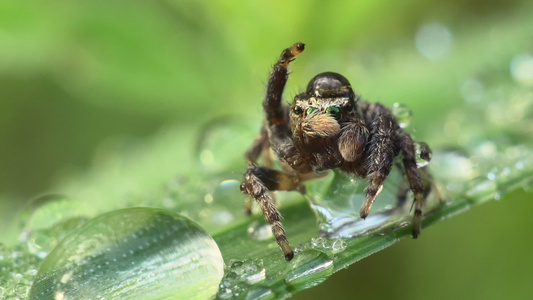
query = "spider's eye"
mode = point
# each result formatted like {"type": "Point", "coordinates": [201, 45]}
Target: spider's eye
{"type": "Point", "coordinates": [297, 110]}
{"type": "Point", "coordinates": [311, 110]}
{"type": "Point", "coordinates": [334, 111]}
{"type": "Point", "coordinates": [348, 106]}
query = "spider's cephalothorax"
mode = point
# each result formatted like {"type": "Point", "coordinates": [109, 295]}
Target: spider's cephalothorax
{"type": "Point", "coordinates": [326, 127]}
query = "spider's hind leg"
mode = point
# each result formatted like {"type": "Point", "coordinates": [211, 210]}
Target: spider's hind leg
{"type": "Point", "coordinates": [420, 185]}
{"type": "Point", "coordinates": [257, 183]}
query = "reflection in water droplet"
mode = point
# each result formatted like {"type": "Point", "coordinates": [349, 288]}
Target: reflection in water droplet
{"type": "Point", "coordinates": [423, 154]}
{"type": "Point", "coordinates": [522, 69]}
{"type": "Point", "coordinates": [403, 114]}
{"type": "Point", "coordinates": [260, 231]}
{"type": "Point", "coordinates": [337, 198]}
{"type": "Point", "coordinates": [434, 41]}
{"type": "Point", "coordinates": [260, 293]}
{"type": "Point", "coordinates": [132, 253]}
{"type": "Point", "coordinates": [308, 269]}
{"type": "Point", "coordinates": [321, 244]}
{"type": "Point", "coordinates": [239, 276]}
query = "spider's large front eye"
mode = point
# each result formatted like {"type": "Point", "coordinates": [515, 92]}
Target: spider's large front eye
{"type": "Point", "coordinates": [311, 110]}
{"type": "Point", "coordinates": [334, 111]}
{"type": "Point", "coordinates": [297, 110]}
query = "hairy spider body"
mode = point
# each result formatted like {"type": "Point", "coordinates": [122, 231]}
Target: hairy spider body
{"type": "Point", "coordinates": [328, 126]}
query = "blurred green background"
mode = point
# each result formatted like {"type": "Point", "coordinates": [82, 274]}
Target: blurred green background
{"type": "Point", "coordinates": [77, 76]}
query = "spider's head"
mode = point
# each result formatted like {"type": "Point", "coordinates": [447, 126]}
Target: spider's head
{"type": "Point", "coordinates": [320, 111]}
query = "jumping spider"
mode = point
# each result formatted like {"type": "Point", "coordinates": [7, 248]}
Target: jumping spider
{"type": "Point", "coordinates": [328, 126]}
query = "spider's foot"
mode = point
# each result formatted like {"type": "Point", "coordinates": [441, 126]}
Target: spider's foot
{"type": "Point", "coordinates": [287, 252]}
{"type": "Point", "coordinates": [417, 223]}
{"type": "Point", "coordinates": [297, 48]}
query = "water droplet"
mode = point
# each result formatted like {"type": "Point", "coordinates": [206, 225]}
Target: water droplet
{"type": "Point", "coordinates": [481, 189]}
{"type": "Point", "coordinates": [338, 246]}
{"type": "Point", "coordinates": [337, 198]}
{"type": "Point", "coordinates": [46, 210]}
{"type": "Point", "coordinates": [308, 268]}
{"type": "Point", "coordinates": [423, 154]}
{"type": "Point", "coordinates": [260, 231]}
{"type": "Point", "coordinates": [434, 41]}
{"type": "Point", "coordinates": [95, 260]}
{"type": "Point", "coordinates": [260, 293]}
{"type": "Point", "coordinates": [522, 69]}
{"type": "Point", "coordinates": [403, 114]}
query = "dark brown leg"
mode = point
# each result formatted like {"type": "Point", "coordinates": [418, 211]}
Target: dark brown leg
{"type": "Point", "coordinates": [257, 183]}
{"type": "Point", "coordinates": [380, 160]}
{"type": "Point", "coordinates": [413, 176]}
{"type": "Point", "coordinates": [259, 145]}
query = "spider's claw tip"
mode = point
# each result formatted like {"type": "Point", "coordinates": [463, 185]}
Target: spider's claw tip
{"type": "Point", "coordinates": [297, 48]}
{"type": "Point", "coordinates": [289, 256]}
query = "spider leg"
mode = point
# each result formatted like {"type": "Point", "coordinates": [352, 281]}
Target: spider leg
{"type": "Point", "coordinates": [277, 116]}
{"type": "Point", "coordinates": [259, 145]}
{"type": "Point", "coordinates": [276, 83]}
{"type": "Point", "coordinates": [403, 189]}
{"type": "Point", "coordinates": [380, 158]}
{"type": "Point", "coordinates": [406, 146]}
{"type": "Point", "coordinates": [257, 183]}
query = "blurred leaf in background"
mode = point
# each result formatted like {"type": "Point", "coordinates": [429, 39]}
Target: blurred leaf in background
{"type": "Point", "coordinates": [82, 83]}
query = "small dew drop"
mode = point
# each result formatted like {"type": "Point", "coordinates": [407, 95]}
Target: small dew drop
{"type": "Point", "coordinates": [308, 269]}
{"type": "Point", "coordinates": [481, 189]}
{"type": "Point", "coordinates": [403, 114]}
{"type": "Point", "coordinates": [423, 154]}
{"type": "Point", "coordinates": [338, 246]}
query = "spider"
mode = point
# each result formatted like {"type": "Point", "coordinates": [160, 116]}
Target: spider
{"type": "Point", "coordinates": [328, 126]}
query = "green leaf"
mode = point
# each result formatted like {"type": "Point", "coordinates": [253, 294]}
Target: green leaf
{"type": "Point", "coordinates": [482, 151]}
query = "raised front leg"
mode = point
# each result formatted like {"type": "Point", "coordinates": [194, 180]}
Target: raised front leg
{"type": "Point", "coordinates": [277, 115]}
{"type": "Point", "coordinates": [276, 83]}
{"type": "Point", "coordinates": [257, 183]}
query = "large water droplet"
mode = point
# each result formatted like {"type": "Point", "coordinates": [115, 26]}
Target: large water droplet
{"type": "Point", "coordinates": [336, 201]}
{"type": "Point", "coordinates": [403, 114]}
{"type": "Point", "coordinates": [141, 253]}
{"type": "Point", "coordinates": [308, 269]}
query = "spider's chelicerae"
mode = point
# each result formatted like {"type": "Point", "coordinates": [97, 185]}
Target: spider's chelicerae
{"type": "Point", "coordinates": [326, 127]}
